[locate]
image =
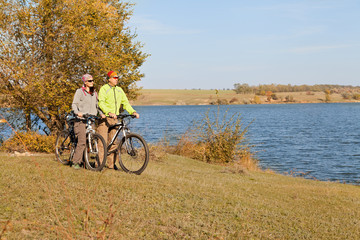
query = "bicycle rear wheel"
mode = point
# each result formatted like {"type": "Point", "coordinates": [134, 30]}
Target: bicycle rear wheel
{"type": "Point", "coordinates": [95, 153]}
{"type": "Point", "coordinates": [133, 153]}
{"type": "Point", "coordinates": [64, 148]}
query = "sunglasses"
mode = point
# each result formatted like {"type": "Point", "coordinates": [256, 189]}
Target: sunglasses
{"type": "Point", "coordinates": [90, 80]}
{"type": "Point", "coordinates": [116, 77]}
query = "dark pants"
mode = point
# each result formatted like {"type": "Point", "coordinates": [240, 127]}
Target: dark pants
{"type": "Point", "coordinates": [80, 132]}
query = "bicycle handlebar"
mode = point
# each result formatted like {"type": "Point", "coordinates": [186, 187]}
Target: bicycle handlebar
{"type": "Point", "coordinates": [88, 116]}
{"type": "Point", "coordinates": [122, 116]}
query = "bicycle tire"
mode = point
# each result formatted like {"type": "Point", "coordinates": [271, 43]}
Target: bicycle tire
{"type": "Point", "coordinates": [135, 159]}
{"type": "Point", "coordinates": [92, 158]}
{"type": "Point", "coordinates": [64, 148]}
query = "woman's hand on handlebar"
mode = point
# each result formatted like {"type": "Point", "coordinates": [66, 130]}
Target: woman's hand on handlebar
{"type": "Point", "coordinates": [88, 116]}
{"type": "Point", "coordinates": [112, 115]}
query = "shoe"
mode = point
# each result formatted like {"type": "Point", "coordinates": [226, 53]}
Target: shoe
{"type": "Point", "coordinates": [76, 166]}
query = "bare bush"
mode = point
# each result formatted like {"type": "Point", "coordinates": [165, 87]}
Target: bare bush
{"type": "Point", "coordinates": [217, 140]}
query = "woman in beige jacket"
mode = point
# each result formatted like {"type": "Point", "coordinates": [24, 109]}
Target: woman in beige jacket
{"type": "Point", "coordinates": [85, 102]}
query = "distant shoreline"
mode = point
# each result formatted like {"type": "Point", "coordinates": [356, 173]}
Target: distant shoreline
{"type": "Point", "coordinates": [166, 97]}
{"type": "Point", "coordinates": [178, 97]}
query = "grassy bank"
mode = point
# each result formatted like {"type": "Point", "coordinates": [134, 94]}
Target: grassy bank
{"type": "Point", "coordinates": [205, 97]}
{"type": "Point", "coordinates": [178, 198]}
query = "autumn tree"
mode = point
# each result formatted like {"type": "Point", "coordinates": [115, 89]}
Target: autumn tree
{"type": "Point", "coordinates": [47, 45]}
{"type": "Point", "coordinates": [327, 95]}
{"type": "Point", "coordinates": [242, 88]}
{"type": "Point", "coordinates": [268, 96]}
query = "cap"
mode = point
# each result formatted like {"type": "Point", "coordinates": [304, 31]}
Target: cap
{"type": "Point", "coordinates": [86, 77]}
{"type": "Point", "coordinates": [111, 74]}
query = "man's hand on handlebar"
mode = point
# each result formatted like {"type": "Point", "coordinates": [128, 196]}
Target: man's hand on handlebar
{"type": "Point", "coordinates": [136, 115]}
{"type": "Point", "coordinates": [121, 116]}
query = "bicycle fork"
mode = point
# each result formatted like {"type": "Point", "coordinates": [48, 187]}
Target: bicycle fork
{"type": "Point", "coordinates": [129, 145]}
{"type": "Point", "coordinates": [91, 146]}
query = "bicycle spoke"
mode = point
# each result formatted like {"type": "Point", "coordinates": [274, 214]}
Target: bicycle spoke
{"type": "Point", "coordinates": [94, 156]}
{"type": "Point", "coordinates": [63, 148]}
{"type": "Point", "coordinates": [133, 154]}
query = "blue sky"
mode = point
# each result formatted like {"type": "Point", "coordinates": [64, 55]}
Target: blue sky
{"type": "Point", "coordinates": [214, 44]}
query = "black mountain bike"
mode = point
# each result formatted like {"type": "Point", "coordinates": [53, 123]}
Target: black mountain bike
{"type": "Point", "coordinates": [132, 151]}
{"type": "Point", "coordinates": [66, 142]}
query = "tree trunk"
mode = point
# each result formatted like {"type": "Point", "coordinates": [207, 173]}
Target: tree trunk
{"type": "Point", "coordinates": [28, 119]}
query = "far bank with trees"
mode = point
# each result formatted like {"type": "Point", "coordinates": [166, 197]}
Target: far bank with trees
{"type": "Point", "coordinates": [246, 94]}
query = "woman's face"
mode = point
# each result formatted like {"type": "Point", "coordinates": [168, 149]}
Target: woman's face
{"type": "Point", "coordinates": [89, 83]}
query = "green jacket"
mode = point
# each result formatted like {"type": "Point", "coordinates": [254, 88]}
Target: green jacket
{"type": "Point", "coordinates": [111, 98]}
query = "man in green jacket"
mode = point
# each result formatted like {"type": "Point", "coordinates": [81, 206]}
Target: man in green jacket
{"type": "Point", "coordinates": [111, 97]}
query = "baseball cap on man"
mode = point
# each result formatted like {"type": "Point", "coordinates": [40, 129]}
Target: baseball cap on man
{"type": "Point", "coordinates": [112, 74]}
{"type": "Point", "coordinates": [86, 77]}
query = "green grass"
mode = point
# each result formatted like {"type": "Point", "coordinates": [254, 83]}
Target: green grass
{"type": "Point", "coordinates": [178, 198]}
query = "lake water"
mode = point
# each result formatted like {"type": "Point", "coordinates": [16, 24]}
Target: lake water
{"type": "Point", "coordinates": [321, 140]}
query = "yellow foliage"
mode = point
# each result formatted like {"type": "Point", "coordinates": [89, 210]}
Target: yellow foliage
{"type": "Point", "coordinates": [257, 99]}
{"type": "Point", "coordinates": [49, 45]}
{"type": "Point", "coordinates": [34, 142]}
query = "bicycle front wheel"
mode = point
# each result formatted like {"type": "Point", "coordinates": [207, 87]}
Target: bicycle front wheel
{"type": "Point", "coordinates": [64, 148]}
{"type": "Point", "coordinates": [133, 153]}
{"type": "Point", "coordinates": [95, 152]}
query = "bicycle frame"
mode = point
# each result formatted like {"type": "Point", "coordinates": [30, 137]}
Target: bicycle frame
{"type": "Point", "coordinates": [132, 151]}
{"type": "Point", "coordinates": [121, 128]}
{"type": "Point", "coordinates": [89, 130]}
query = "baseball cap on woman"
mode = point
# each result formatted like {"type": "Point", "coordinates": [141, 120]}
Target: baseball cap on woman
{"type": "Point", "coordinates": [86, 77]}
{"type": "Point", "coordinates": [112, 74]}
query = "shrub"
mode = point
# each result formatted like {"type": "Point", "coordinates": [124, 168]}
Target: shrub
{"type": "Point", "coordinates": [158, 151]}
{"type": "Point", "coordinates": [217, 141]}
{"type": "Point", "coordinates": [234, 100]}
{"type": "Point", "coordinates": [356, 96]}
{"type": "Point", "coordinates": [346, 95]}
{"type": "Point", "coordinates": [246, 101]}
{"type": "Point", "coordinates": [268, 96]}
{"type": "Point", "coordinates": [274, 97]}
{"type": "Point", "coordinates": [256, 100]}
{"type": "Point", "coordinates": [327, 98]}
{"type": "Point", "coordinates": [34, 142]}
{"type": "Point", "coordinates": [289, 98]}
{"type": "Point", "coordinates": [219, 102]}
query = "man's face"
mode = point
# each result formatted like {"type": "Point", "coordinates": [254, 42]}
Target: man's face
{"type": "Point", "coordinates": [114, 81]}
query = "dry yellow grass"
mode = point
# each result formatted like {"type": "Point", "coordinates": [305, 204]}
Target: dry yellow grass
{"type": "Point", "coordinates": [205, 97]}
{"type": "Point", "coordinates": [178, 198]}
